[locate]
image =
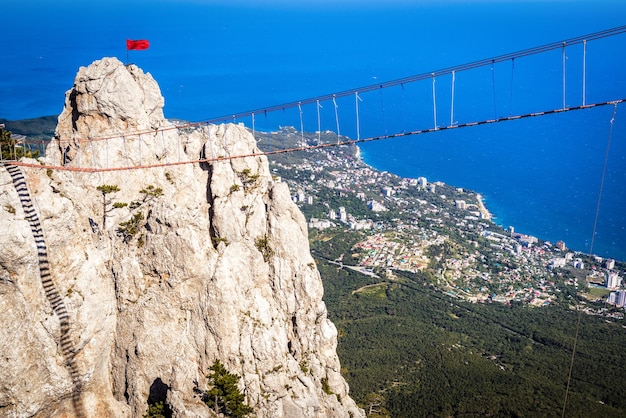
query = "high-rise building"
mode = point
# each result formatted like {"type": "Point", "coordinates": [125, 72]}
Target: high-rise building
{"type": "Point", "coordinates": [613, 281]}
{"type": "Point", "coordinates": [343, 215]}
{"type": "Point", "coordinates": [560, 245]}
{"type": "Point", "coordinates": [609, 264]}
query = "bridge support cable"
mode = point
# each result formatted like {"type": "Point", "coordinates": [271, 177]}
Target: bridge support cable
{"type": "Point", "coordinates": [434, 103]}
{"type": "Point", "coordinates": [584, 72]}
{"type": "Point", "coordinates": [301, 124]}
{"type": "Point", "coordinates": [564, 55]}
{"type": "Point", "coordinates": [177, 143]}
{"type": "Point", "coordinates": [493, 90]}
{"type": "Point", "coordinates": [164, 146]}
{"type": "Point", "coordinates": [211, 146]}
{"type": "Point", "coordinates": [512, 84]}
{"type": "Point", "coordinates": [382, 109]}
{"type": "Point", "coordinates": [125, 151]}
{"type": "Point", "coordinates": [319, 124]}
{"type": "Point", "coordinates": [402, 107]}
{"type": "Point", "coordinates": [282, 137]}
{"type": "Point", "coordinates": [93, 154]}
{"type": "Point", "coordinates": [336, 117]}
{"type": "Point", "coordinates": [139, 147]}
{"type": "Point", "coordinates": [452, 100]}
{"type": "Point", "coordinates": [357, 99]}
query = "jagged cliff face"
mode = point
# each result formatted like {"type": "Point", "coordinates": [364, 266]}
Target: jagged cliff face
{"type": "Point", "coordinates": [98, 317]}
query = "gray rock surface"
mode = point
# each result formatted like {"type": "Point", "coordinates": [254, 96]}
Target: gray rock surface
{"type": "Point", "coordinates": [218, 267]}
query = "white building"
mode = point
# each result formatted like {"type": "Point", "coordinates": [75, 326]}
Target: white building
{"type": "Point", "coordinates": [422, 182]}
{"type": "Point", "coordinates": [343, 215]}
{"type": "Point", "coordinates": [375, 206]}
{"type": "Point", "coordinates": [320, 223]}
{"type": "Point", "coordinates": [360, 225]}
{"type": "Point", "coordinates": [613, 281]}
{"type": "Point", "coordinates": [388, 191]}
{"type": "Point", "coordinates": [460, 204]}
{"type": "Point", "coordinates": [557, 262]}
{"type": "Point", "coordinates": [609, 264]}
{"type": "Point", "coordinates": [617, 298]}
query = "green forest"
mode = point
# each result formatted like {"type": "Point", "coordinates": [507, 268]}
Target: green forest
{"type": "Point", "coordinates": [408, 349]}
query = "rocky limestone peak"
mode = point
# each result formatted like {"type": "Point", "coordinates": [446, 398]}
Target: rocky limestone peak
{"type": "Point", "coordinates": [109, 97]}
{"type": "Point", "coordinates": [121, 287]}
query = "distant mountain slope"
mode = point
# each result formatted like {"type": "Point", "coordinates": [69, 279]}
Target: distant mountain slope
{"type": "Point", "coordinates": [36, 128]}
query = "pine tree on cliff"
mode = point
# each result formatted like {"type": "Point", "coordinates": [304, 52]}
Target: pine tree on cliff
{"type": "Point", "coordinates": [224, 397]}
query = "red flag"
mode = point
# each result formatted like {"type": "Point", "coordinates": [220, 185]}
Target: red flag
{"type": "Point", "coordinates": [138, 44]}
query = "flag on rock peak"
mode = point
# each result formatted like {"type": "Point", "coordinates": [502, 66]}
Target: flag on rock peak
{"type": "Point", "coordinates": [137, 44]}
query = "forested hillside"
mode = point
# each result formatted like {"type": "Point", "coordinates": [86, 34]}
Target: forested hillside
{"type": "Point", "coordinates": [37, 128]}
{"type": "Point", "coordinates": [426, 354]}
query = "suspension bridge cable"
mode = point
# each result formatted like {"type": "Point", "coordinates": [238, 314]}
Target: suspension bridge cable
{"type": "Point", "coordinates": [463, 67]}
{"type": "Point", "coordinates": [319, 146]}
{"type": "Point", "coordinates": [333, 96]}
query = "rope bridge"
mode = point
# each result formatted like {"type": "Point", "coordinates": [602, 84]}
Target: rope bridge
{"type": "Point", "coordinates": [397, 108]}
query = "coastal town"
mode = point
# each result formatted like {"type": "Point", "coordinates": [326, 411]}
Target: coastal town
{"type": "Point", "coordinates": [444, 234]}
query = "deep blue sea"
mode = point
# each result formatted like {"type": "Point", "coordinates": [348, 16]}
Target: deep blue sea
{"type": "Point", "coordinates": [214, 58]}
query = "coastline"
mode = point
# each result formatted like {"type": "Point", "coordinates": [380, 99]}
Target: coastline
{"type": "Point", "coordinates": [479, 198]}
{"type": "Point", "coordinates": [483, 209]}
